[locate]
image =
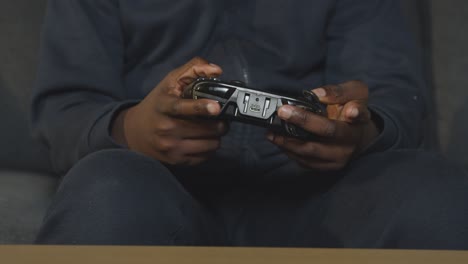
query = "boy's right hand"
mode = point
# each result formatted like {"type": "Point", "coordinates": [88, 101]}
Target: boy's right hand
{"type": "Point", "coordinates": [166, 127]}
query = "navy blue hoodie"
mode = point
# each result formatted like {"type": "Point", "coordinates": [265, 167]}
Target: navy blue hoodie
{"type": "Point", "coordinates": [100, 56]}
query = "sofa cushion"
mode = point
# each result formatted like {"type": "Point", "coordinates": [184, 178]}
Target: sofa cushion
{"type": "Point", "coordinates": [24, 198]}
{"type": "Point", "coordinates": [450, 52]}
{"type": "Point", "coordinates": [20, 23]}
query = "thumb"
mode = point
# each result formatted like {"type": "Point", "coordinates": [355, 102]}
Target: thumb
{"type": "Point", "coordinates": [342, 93]}
{"type": "Point", "coordinates": [179, 78]}
{"type": "Point", "coordinates": [354, 112]}
{"type": "Point", "coordinates": [201, 69]}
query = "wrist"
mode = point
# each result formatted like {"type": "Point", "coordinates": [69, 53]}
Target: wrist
{"type": "Point", "coordinates": [370, 133]}
{"type": "Point", "coordinates": [118, 128]}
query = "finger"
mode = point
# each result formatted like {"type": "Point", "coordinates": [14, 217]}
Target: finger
{"type": "Point", "coordinates": [179, 78]}
{"type": "Point", "coordinates": [354, 112]}
{"type": "Point", "coordinates": [334, 111]}
{"type": "Point", "coordinates": [342, 93]}
{"type": "Point", "coordinates": [198, 147]}
{"type": "Point", "coordinates": [318, 165]}
{"type": "Point", "coordinates": [187, 160]}
{"type": "Point", "coordinates": [196, 61]}
{"type": "Point", "coordinates": [201, 129]}
{"type": "Point", "coordinates": [196, 160]}
{"type": "Point", "coordinates": [178, 107]}
{"type": "Point", "coordinates": [190, 129]}
{"type": "Point", "coordinates": [311, 122]}
{"type": "Point", "coordinates": [307, 150]}
{"type": "Point", "coordinates": [315, 164]}
{"type": "Point", "coordinates": [196, 68]}
{"type": "Point", "coordinates": [199, 158]}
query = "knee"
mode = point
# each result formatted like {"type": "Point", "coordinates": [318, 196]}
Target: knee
{"type": "Point", "coordinates": [418, 169]}
{"type": "Point", "coordinates": [433, 216]}
{"type": "Point", "coordinates": [413, 173]}
{"type": "Point", "coordinates": [429, 195]}
{"type": "Point", "coordinates": [119, 171]}
{"type": "Point", "coordinates": [118, 180]}
{"type": "Point", "coordinates": [116, 196]}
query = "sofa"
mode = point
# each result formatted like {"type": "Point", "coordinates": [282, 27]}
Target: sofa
{"type": "Point", "coordinates": [27, 181]}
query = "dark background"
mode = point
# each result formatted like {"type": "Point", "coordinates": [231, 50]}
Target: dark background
{"type": "Point", "coordinates": [20, 23]}
{"type": "Point", "coordinates": [450, 65]}
{"type": "Point", "coordinates": [441, 28]}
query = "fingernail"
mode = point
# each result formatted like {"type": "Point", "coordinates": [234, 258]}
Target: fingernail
{"type": "Point", "coordinates": [214, 65]}
{"type": "Point", "coordinates": [285, 112]}
{"type": "Point", "coordinates": [221, 127]}
{"type": "Point", "coordinates": [353, 112]}
{"type": "Point", "coordinates": [320, 92]}
{"type": "Point", "coordinates": [270, 136]}
{"type": "Point", "coordinates": [212, 109]}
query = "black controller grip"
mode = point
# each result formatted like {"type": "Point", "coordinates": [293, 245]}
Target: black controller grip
{"type": "Point", "coordinates": [247, 105]}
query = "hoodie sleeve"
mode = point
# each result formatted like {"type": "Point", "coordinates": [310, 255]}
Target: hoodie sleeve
{"type": "Point", "coordinates": [79, 84]}
{"type": "Point", "coordinates": [368, 41]}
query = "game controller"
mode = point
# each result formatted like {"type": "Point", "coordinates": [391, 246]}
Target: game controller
{"type": "Point", "coordinates": [243, 104]}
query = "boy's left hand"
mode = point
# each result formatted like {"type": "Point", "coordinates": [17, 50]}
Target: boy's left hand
{"type": "Point", "coordinates": [346, 131]}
